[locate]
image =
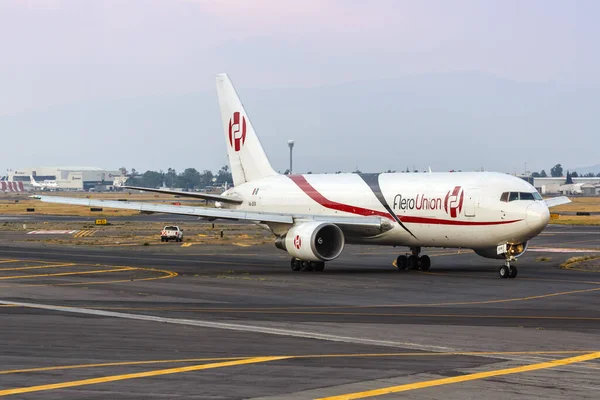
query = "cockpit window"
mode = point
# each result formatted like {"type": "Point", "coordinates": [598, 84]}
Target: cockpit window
{"type": "Point", "coordinates": [526, 196]}
{"type": "Point", "coordinates": [512, 196]}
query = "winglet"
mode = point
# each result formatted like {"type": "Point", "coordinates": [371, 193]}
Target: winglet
{"type": "Point", "coordinates": [557, 201]}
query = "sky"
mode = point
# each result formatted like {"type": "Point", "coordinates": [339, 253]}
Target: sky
{"type": "Point", "coordinates": [112, 83]}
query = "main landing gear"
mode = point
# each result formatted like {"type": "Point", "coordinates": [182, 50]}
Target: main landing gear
{"type": "Point", "coordinates": [507, 270]}
{"type": "Point", "coordinates": [301, 265]}
{"type": "Point", "coordinates": [413, 261]}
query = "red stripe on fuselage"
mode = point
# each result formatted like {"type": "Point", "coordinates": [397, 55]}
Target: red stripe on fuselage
{"type": "Point", "coordinates": [334, 205]}
{"type": "Point", "coordinates": [435, 221]}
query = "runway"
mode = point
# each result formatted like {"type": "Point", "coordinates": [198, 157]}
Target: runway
{"type": "Point", "coordinates": [210, 321]}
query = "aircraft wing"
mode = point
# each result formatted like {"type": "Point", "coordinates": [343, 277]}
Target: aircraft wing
{"type": "Point", "coordinates": [357, 225]}
{"type": "Point", "coordinates": [205, 196]}
{"type": "Point", "coordinates": [557, 201]}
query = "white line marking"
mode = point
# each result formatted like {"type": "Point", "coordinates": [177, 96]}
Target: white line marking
{"type": "Point", "coordinates": [562, 250]}
{"type": "Point", "coordinates": [233, 327]}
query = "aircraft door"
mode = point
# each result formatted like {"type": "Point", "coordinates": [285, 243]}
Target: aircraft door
{"type": "Point", "coordinates": [471, 202]}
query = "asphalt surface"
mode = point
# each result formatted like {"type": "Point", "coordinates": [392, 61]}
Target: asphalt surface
{"type": "Point", "coordinates": [221, 322]}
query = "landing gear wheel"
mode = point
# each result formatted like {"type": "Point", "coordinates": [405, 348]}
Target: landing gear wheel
{"type": "Point", "coordinates": [401, 262]}
{"type": "Point", "coordinates": [319, 266]}
{"type": "Point", "coordinates": [513, 272]}
{"type": "Point", "coordinates": [504, 272]}
{"type": "Point", "coordinates": [424, 263]}
{"type": "Point", "coordinates": [307, 266]}
{"type": "Point", "coordinates": [413, 262]}
{"type": "Point", "coordinates": [296, 264]}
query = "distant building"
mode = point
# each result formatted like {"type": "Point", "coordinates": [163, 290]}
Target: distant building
{"type": "Point", "coordinates": [558, 185]}
{"type": "Point", "coordinates": [69, 178]}
{"type": "Point", "coordinates": [591, 189]}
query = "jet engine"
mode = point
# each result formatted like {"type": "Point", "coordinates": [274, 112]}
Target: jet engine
{"type": "Point", "coordinates": [313, 241]}
{"type": "Point", "coordinates": [512, 250]}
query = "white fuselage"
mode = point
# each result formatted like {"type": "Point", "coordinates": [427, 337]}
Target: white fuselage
{"type": "Point", "coordinates": [462, 209]}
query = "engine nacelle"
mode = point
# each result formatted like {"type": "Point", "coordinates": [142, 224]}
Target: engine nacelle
{"type": "Point", "coordinates": [313, 241]}
{"type": "Point", "coordinates": [512, 250]}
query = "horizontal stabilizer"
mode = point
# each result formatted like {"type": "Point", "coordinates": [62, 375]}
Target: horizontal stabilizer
{"type": "Point", "coordinates": [197, 195]}
{"type": "Point", "coordinates": [557, 201]}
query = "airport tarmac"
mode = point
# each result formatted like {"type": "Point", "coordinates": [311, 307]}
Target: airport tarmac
{"type": "Point", "coordinates": [233, 322]}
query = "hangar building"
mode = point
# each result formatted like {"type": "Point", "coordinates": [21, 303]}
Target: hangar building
{"type": "Point", "coordinates": [69, 178]}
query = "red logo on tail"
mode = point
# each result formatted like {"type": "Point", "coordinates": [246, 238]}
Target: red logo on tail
{"type": "Point", "coordinates": [454, 201]}
{"type": "Point", "coordinates": [237, 131]}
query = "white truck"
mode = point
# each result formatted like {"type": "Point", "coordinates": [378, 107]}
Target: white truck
{"type": "Point", "coordinates": [171, 233]}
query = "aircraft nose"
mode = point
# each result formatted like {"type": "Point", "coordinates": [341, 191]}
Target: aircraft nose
{"type": "Point", "coordinates": [537, 216]}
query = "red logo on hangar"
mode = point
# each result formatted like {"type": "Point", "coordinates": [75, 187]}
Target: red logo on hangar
{"type": "Point", "coordinates": [298, 242]}
{"type": "Point", "coordinates": [237, 131]}
{"type": "Point", "coordinates": [453, 202]}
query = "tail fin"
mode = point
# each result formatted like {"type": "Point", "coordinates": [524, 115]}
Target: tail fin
{"type": "Point", "coordinates": [33, 182]}
{"type": "Point", "coordinates": [247, 158]}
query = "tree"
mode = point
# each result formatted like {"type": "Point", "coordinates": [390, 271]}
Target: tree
{"type": "Point", "coordinates": [170, 178]}
{"type": "Point", "coordinates": [535, 175]}
{"type": "Point", "coordinates": [589, 175]}
{"type": "Point", "coordinates": [206, 178]}
{"type": "Point", "coordinates": [190, 179]}
{"type": "Point", "coordinates": [151, 179]}
{"type": "Point", "coordinates": [574, 174]}
{"type": "Point", "coordinates": [569, 180]}
{"type": "Point", "coordinates": [543, 174]}
{"type": "Point", "coordinates": [224, 175]}
{"type": "Point", "coordinates": [556, 171]}
{"type": "Point", "coordinates": [598, 175]}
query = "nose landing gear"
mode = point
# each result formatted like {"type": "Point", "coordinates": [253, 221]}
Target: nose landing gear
{"type": "Point", "coordinates": [507, 270]}
{"type": "Point", "coordinates": [413, 261]}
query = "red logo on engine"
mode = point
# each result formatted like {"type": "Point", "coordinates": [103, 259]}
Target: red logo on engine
{"type": "Point", "coordinates": [298, 242]}
{"type": "Point", "coordinates": [454, 201]}
{"type": "Point", "coordinates": [237, 131]}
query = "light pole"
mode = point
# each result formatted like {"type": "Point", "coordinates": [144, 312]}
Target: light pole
{"type": "Point", "coordinates": [291, 144]}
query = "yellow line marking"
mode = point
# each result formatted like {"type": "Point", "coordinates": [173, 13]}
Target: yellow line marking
{"type": "Point", "coordinates": [460, 275]}
{"type": "Point", "coordinates": [38, 267]}
{"type": "Point", "coordinates": [85, 233]}
{"type": "Point", "coordinates": [355, 355]}
{"type": "Point", "coordinates": [464, 378]}
{"type": "Point", "coordinates": [137, 375]}
{"type": "Point", "coordinates": [8, 261]}
{"type": "Point", "coordinates": [186, 245]}
{"type": "Point", "coordinates": [116, 364]}
{"type": "Point", "coordinates": [268, 309]}
{"type": "Point", "coordinates": [168, 274]}
{"type": "Point", "coordinates": [116, 269]}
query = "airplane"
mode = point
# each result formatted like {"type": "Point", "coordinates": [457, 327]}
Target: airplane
{"type": "Point", "coordinates": [314, 216]}
{"type": "Point", "coordinates": [7, 185]}
{"type": "Point", "coordinates": [44, 185]}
